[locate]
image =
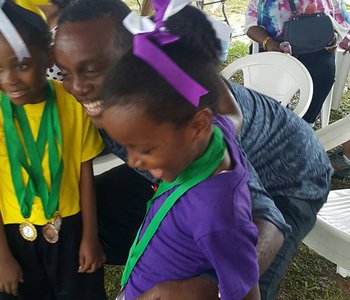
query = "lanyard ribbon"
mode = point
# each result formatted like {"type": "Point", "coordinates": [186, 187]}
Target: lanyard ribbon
{"type": "Point", "coordinates": [198, 171]}
{"type": "Point", "coordinates": [19, 152]}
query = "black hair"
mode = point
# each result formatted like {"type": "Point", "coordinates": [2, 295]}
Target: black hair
{"type": "Point", "coordinates": [32, 27]}
{"type": "Point", "coordinates": [89, 10]}
{"type": "Point", "coordinates": [132, 81]}
{"type": "Point", "coordinates": [61, 4]}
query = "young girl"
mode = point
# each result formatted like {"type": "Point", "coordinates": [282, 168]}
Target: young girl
{"type": "Point", "coordinates": [200, 217]}
{"type": "Point", "coordinates": [48, 235]}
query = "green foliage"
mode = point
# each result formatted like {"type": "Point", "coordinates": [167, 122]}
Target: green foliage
{"type": "Point", "coordinates": [237, 49]}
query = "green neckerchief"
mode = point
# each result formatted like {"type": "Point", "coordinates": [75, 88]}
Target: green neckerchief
{"type": "Point", "coordinates": [29, 154]}
{"type": "Point", "coordinates": [198, 171]}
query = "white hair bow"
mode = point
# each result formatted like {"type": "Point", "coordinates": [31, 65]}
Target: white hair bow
{"type": "Point", "coordinates": [12, 36]}
{"type": "Point", "coordinates": [137, 24]}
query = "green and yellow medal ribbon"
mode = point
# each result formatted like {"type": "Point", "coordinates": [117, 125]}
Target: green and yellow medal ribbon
{"type": "Point", "coordinates": [33, 6]}
{"type": "Point", "coordinates": [199, 170]}
{"type": "Point", "coordinates": [29, 154]}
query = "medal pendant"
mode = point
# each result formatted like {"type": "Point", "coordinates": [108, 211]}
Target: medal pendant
{"type": "Point", "coordinates": [28, 231]}
{"type": "Point", "coordinates": [50, 233]}
{"type": "Point", "coordinates": [57, 222]}
{"type": "Point", "coordinates": [121, 295]}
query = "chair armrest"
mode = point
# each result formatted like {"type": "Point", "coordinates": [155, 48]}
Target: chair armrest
{"type": "Point", "coordinates": [105, 163]}
{"type": "Point", "coordinates": [335, 134]}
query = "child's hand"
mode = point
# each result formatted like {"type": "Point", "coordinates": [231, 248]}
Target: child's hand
{"type": "Point", "coordinates": [10, 275]}
{"type": "Point", "coordinates": [91, 256]}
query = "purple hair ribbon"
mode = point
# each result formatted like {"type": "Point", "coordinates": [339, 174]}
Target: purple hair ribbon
{"type": "Point", "coordinates": [148, 47]}
{"type": "Point", "coordinates": [150, 53]}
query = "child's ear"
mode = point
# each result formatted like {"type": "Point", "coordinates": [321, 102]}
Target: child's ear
{"type": "Point", "coordinates": [51, 57]}
{"type": "Point", "coordinates": [202, 123]}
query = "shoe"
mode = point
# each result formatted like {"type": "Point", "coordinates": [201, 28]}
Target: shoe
{"type": "Point", "coordinates": [342, 174]}
{"type": "Point", "coordinates": [340, 166]}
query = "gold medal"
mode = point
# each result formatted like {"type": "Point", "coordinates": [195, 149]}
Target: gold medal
{"type": "Point", "coordinates": [28, 231]}
{"type": "Point", "coordinates": [50, 233]}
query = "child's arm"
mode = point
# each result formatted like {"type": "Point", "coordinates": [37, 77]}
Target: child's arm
{"type": "Point", "coordinates": [91, 256]}
{"type": "Point", "coordinates": [10, 271]}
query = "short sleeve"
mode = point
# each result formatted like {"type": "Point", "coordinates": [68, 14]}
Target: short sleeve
{"type": "Point", "coordinates": [232, 253]}
{"type": "Point", "coordinates": [92, 143]}
{"type": "Point", "coordinates": [262, 205]}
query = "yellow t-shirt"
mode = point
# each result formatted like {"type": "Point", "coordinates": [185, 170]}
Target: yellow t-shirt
{"type": "Point", "coordinates": [80, 142]}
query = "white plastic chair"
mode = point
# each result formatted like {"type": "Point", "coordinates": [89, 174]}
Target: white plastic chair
{"type": "Point", "coordinates": [276, 75]}
{"type": "Point", "coordinates": [342, 65]}
{"type": "Point", "coordinates": [105, 163]}
{"type": "Point", "coordinates": [331, 235]}
{"type": "Point", "coordinates": [335, 134]}
{"type": "Point", "coordinates": [341, 75]}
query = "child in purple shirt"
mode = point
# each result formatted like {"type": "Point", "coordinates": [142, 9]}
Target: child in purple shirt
{"type": "Point", "coordinates": [209, 228]}
{"type": "Point", "coordinates": [160, 102]}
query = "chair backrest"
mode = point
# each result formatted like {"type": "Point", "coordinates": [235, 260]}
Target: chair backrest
{"type": "Point", "coordinates": [276, 75]}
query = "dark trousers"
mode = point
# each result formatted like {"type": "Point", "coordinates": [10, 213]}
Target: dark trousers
{"type": "Point", "coordinates": [50, 270]}
{"type": "Point", "coordinates": [321, 66]}
{"type": "Point", "coordinates": [121, 195]}
{"type": "Point", "coordinates": [301, 216]}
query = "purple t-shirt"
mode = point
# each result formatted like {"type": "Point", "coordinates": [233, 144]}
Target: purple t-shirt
{"type": "Point", "coordinates": [209, 228]}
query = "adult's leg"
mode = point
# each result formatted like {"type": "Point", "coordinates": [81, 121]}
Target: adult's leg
{"type": "Point", "coordinates": [321, 66]}
{"type": "Point", "coordinates": [301, 216]}
{"type": "Point", "coordinates": [121, 195]}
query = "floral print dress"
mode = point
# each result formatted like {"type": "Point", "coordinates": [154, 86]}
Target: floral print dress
{"type": "Point", "coordinates": [271, 14]}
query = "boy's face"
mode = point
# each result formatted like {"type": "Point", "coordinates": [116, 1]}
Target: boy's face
{"type": "Point", "coordinates": [24, 82]}
{"type": "Point", "coordinates": [162, 149]}
{"type": "Point", "coordinates": [85, 51]}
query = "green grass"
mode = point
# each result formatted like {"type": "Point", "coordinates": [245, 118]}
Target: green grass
{"type": "Point", "coordinates": [112, 280]}
{"type": "Point", "coordinates": [310, 276]}
{"type": "Point", "coordinates": [238, 49]}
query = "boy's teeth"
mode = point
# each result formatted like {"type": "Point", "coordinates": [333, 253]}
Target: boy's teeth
{"type": "Point", "coordinates": [92, 105]}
